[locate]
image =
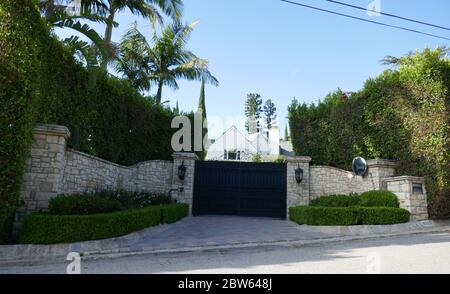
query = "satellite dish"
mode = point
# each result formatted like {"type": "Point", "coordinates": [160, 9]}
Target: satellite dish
{"type": "Point", "coordinates": [359, 166]}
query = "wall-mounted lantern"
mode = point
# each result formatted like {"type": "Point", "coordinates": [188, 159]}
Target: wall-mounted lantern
{"type": "Point", "coordinates": [182, 171]}
{"type": "Point", "coordinates": [298, 174]}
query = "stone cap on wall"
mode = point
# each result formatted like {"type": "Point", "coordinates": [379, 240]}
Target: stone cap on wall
{"type": "Point", "coordinates": [405, 178]}
{"type": "Point", "coordinates": [379, 162]}
{"type": "Point", "coordinates": [299, 159]}
{"type": "Point", "coordinates": [52, 130]}
{"type": "Point", "coordinates": [185, 155]}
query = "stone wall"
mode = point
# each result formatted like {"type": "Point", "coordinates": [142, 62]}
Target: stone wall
{"type": "Point", "coordinates": [411, 193]}
{"type": "Point", "coordinates": [52, 169]}
{"type": "Point", "coordinates": [298, 193]}
{"type": "Point", "coordinates": [84, 172]}
{"type": "Point", "coordinates": [327, 180]}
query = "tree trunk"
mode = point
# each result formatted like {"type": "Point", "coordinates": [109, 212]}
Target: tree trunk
{"type": "Point", "coordinates": [159, 94]}
{"type": "Point", "coordinates": [108, 33]}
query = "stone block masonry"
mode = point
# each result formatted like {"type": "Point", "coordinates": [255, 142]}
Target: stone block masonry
{"type": "Point", "coordinates": [411, 193]}
{"type": "Point", "coordinates": [52, 169]}
{"type": "Point", "coordinates": [326, 180]}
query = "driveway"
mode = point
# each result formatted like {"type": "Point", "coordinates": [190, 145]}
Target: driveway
{"type": "Point", "coordinates": [213, 232]}
{"type": "Point", "coordinates": [222, 231]}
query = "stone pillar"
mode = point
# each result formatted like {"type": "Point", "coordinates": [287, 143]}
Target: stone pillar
{"type": "Point", "coordinates": [378, 170]}
{"type": "Point", "coordinates": [411, 193]}
{"type": "Point", "coordinates": [187, 195]}
{"type": "Point", "coordinates": [43, 170]}
{"type": "Point", "coordinates": [297, 193]}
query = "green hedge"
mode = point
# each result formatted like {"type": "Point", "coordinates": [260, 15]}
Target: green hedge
{"type": "Point", "coordinates": [345, 216]}
{"type": "Point", "coordinates": [382, 215]}
{"type": "Point", "coordinates": [50, 229]}
{"type": "Point", "coordinates": [323, 215]}
{"type": "Point", "coordinates": [375, 198]}
{"type": "Point", "coordinates": [403, 114]}
{"type": "Point", "coordinates": [20, 27]}
{"type": "Point", "coordinates": [83, 204]}
{"type": "Point", "coordinates": [336, 201]}
{"type": "Point", "coordinates": [380, 198]}
{"type": "Point", "coordinates": [173, 212]}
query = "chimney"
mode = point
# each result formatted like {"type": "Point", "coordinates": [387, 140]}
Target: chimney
{"type": "Point", "coordinates": [274, 140]}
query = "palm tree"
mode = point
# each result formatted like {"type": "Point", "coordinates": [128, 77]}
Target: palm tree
{"type": "Point", "coordinates": [56, 15]}
{"type": "Point", "coordinates": [164, 61]}
{"type": "Point", "coordinates": [146, 8]}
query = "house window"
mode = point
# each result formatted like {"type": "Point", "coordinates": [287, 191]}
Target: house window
{"type": "Point", "coordinates": [232, 155]}
{"type": "Point", "coordinates": [239, 155]}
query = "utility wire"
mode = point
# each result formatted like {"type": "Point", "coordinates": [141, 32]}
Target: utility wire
{"type": "Point", "coordinates": [366, 20]}
{"type": "Point", "coordinates": [389, 14]}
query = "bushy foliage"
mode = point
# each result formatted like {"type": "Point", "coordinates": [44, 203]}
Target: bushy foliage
{"type": "Point", "coordinates": [375, 198]}
{"type": "Point", "coordinates": [49, 229]}
{"type": "Point", "coordinates": [134, 199]}
{"type": "Point", "coordinates": [20, 63]}
{"type": "Point", "coordinates": [345, 216]}
{"type": "Point", "coordinates": [336, 201]}
{"type": "Point", "coordinates": [41, 82]}
{"type": "Point", "coordinates": [381, 198]}
{"type": "Point", "coordinates": [173, 212]}
{"type": "Point", "coordinates": [403, 114]}
{"type": "Point", "coordinates": [82, 204]}
{"type": "Point", "coordinates": [104, 201]}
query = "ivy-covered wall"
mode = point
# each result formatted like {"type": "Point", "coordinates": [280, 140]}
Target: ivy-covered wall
{"type": "Point", "coordinates": [403, 114]}
{"type": "Point", "coordinates": [41, 82]}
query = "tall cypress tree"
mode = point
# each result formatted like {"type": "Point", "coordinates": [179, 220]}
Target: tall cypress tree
{"type": "Point", "coordinates": [202, 108]}
{"type": "Point", "coordinates": [253, 111]}
{"type": "Point", "coordinates": [286, 133]}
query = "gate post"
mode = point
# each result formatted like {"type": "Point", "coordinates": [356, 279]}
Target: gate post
{"type": "Point", "coordinates": [187, 195]}
{"type": "Point", "coordinates": [297, 193]}
{"type": "Point", "coordinates": [43, 171]}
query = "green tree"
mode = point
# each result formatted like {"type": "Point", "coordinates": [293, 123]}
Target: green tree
{"type": "Point", "coordinates": [269, 113]}
{"type": "Point", "coordinates": [253, 111]}
{"type": "Point", "coordinates": [286, 133]}
{"type": "Point", "coordinates": [56, 16]}
{"type": "Point", "coordinates": [201, 109]}
{"type": "Point", "coordinates": [165, 60]}
{"type": "Point", "coordinates": [150, 9]}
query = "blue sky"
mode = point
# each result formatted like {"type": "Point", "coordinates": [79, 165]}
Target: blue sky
{"type": "Point", "coordinates": [281, 51]}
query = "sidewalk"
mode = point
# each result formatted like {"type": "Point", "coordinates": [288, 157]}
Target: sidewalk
{"type": "Point", "coordinates": [212, 233]}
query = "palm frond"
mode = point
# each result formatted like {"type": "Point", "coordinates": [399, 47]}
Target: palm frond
{"type": "Point", "coordinates": [172, 8]}
{"type": "Point", "coordinates": [96, 7]}
{"type": "Point", "coordinates": [82, 48]}
{"type": "Point", "coordinates": [85, 30]}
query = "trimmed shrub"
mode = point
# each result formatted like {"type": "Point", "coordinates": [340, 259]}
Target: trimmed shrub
{"type": "Point", "coordinates": [83, 204]}
{"type": "Point", "coordinates": [324, 216]}
{"type": "Point", "coordinates": [173, 212]}
{"type": "Point", "coordinates": [50, 229]}
{"type": "Point", "coordinates": [337, 216]}
{"type": "Point", "coordinates": [381, 198]}
{"type": "Point", "coordinates": [382, 215]}
{"type": "Point", "coordinates": [135, 199]}
{"type": "Point", "coordinates": [336, 201]}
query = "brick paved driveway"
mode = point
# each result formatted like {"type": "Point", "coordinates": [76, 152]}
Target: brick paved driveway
{"type": "Point", "coordinates": [223, 230]}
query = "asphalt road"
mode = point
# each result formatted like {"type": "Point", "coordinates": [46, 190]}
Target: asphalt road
{"type": "Point", "coordinates": [427, 253]}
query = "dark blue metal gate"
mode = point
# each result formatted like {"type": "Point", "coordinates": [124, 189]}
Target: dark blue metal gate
{"type": "Point", "coordinates": [240, 188]}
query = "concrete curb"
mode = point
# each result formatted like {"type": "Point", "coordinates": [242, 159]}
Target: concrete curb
{"type": "Point", "coordinates": [123, 246]}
